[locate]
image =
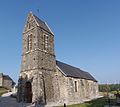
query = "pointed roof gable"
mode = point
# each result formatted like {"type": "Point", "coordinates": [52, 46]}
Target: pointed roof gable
{"type": "Point", "coordinates": [38, 22]}
{"type": "Point", "coordinates": [71, 71]}
{"type": "Point", "coordinates": [43, 25]}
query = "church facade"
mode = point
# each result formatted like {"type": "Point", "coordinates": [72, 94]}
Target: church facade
{"type": "Point", "coordinates": [43, 79]}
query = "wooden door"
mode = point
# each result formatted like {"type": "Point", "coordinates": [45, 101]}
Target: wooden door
{"type": "Point", "coordinates": [28, 92]}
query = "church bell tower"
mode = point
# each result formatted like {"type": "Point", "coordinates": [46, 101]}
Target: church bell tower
{"type": "Point", "coordinates": [38, 62]}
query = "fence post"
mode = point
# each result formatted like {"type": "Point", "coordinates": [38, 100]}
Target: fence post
{"type": "Point", "coordinates": [65, 105]}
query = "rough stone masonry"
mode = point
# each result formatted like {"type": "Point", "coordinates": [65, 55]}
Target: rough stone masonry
{"type": "Point", "coordinates": [43, 79]}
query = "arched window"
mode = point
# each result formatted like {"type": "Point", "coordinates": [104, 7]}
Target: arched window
{"type": "Point", "coordinates": [29, 43]}
{"type": "Point", "coordinates": [76, 86]}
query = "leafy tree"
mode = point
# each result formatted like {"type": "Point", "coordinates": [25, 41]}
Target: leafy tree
{"type": "Point", "coordinates": [109, 87]}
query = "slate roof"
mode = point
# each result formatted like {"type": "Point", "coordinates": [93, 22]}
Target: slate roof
{"type": "Point", "coordinates": [7, 77]}
{"type": "Point", "coordinates": [43, 24]}
{"type": "Point", "coordinates": [71, 71]}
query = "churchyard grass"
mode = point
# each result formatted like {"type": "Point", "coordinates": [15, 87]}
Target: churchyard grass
{"type": "Point", "coordinates": [94, 103]}
{"type": "Point", "coordinates": [2, 91]}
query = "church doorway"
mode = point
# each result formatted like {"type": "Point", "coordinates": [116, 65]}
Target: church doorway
{"type": "Point", "coordinates": [28, 92]}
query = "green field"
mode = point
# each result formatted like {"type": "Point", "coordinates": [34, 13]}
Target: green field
{"type": "Point", "coordinates": [94, 103]}
{"type": "Point", "coordinates": [2, 91]}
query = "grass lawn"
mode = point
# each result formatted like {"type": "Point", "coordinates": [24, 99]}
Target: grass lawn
{"type": "Point", "coordinates": [2, 91]}
{"type": "Point", "coordinates": [94, 103]}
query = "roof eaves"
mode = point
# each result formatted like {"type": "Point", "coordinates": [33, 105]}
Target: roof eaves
{"type": "Point", "coordinates": [49, 28]}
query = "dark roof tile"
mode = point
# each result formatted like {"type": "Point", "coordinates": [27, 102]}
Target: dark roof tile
{"type": "Point", "coordinates": [43, 24]}
{"type": "Point", "coordinates": [71, 71]}
{"type": "Point", "coordinates": [8, 78]}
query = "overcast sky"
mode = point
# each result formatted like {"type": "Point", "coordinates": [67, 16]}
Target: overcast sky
{"type": "Point", "coordinates": [87, 34]}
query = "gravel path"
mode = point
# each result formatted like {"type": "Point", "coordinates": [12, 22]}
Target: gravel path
{"type": "Point", "coordinates": [7, 101]}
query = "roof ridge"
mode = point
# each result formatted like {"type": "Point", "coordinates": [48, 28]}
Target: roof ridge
{"type": "Point", "coordinates": [68, 64]}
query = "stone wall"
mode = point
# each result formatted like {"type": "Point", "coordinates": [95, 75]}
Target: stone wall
{"type": "Point", "coordinates": [7, 83]}
{"type": "Point", "coordinates": [38, 67]}
{"type": "Point", "coordinates": [66, 92]}
{"type": "Point", "coordinates": [60, 83]}
{"type": "Point", "coordinates": [38, 64]}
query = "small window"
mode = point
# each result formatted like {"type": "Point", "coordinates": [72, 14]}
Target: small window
{"type": "Point", "coordinates": [75, 86]}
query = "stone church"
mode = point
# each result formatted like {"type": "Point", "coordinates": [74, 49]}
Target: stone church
{"type": "Point", "coordinates": [45, 80]}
